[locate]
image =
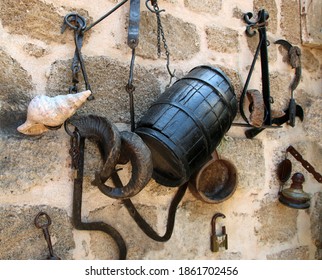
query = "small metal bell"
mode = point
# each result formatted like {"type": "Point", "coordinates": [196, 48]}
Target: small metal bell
{"type": "Point", "coordinates": [294, 196]}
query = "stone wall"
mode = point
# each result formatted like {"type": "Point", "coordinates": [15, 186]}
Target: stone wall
{"type": "Point", "coordinates": [36, 174]}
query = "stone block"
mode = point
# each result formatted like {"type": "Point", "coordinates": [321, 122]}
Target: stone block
{"type": "Point", "coordinates": [279, 89]}
{"type": "Point", "coordinates": [248, 158]}
{"type": "Point", "coordinates": [253, 42]}
{"type": "Point", "coordinates": [311, 12]}
{"type": "Point", "coordinates": [238, 13]}
{"type": "Point", "coordinates": [198, 214]}
{"type": "Point", "coordinates": [271, 8]}
{"type": "Point", "coordinates": [299, 253]}
{"type": "Point", "coordinates": [222, 39]}
{"type": "Point", "coordinates": [314, 155]}
{"type": "Point", "coordinates": [277, 223]}
{"type": "Point", "coordinates": [309, 62]}
{"type": "Point", "coordinates": [16, 86]}
{"type": "Point", "coordinates": [290, 21]}
{"type": "Point", "coordinates": [35, 50]}
{"type": "Point", "coordinates": [316, 223]}
{"type": "Point", "coordinates": [30, 161]}
{"type": "Point", "coordinates": [108, 79]}
{"type": "Point", "coordinates": [36, 19]}
{"type": "Point", "coordinates": [312, 120]}
{"type": "Point", "coordinates": [33, 18]}
{"type": "Point", "coordinates": [172, 1]}
{"type": "Point", "coordinates": [182, 37]}
{"type": "Point", "coordinates": [20, 239]}
{"type": "Point", "coordinates": [207, 6]}
{"type": "Point", "coordinates": [138, 243]}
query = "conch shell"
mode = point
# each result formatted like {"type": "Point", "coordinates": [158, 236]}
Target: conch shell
{"type": "Point", "coordinates": [44, 111]}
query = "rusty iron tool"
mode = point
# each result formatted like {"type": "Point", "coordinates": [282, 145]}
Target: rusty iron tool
{"type": "Point", "coordinates": [294, 55]}
{"type": "Point", "coordinates": [293, 110]}
{"type": "Point", "coordinates": [79, 142]}
{"type": "Point", "coordinates": [259, 24]}
{"type": "Point", "coordinates": [133, 41]}
{"type": "Point", "coordinates": [78, 24]}
{"type": "Point", "coordinates": [251, 133]}
{"type": "Point", "coordinates": [134, 24]}
{"type": "Point", "coordinates": [77, 153]}
{"type": "Point", "coordinates": [304, 163]}
{"type": "Point", "coordinates": [43, 221]}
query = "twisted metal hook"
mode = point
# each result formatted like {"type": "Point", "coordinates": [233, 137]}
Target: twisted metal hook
{"type": "Point", "coordinates": [155, 9]}
{"type": "Point", "coordinates": [80, 22]}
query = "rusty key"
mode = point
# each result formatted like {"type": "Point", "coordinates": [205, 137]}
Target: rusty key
{"type": "Point", "coordinates": [43, 221]}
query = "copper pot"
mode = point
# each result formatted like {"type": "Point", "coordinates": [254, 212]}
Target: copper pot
{"type": "Point", "coordinates": [216, 181]}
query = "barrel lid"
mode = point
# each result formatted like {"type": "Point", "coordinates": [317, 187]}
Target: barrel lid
{"type": "Point", "coordinates": [168, 168]}
{"type": "Point", "coordinates": [218, 70]}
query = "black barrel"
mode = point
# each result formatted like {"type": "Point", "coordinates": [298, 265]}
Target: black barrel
{"type": "Point", "coordinates": [187, 122]}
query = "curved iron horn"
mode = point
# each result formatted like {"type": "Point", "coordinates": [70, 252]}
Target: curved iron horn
{"type": "Point", "coordinates": [106, 135]}
{"type": "Point", "coordinates": [133, 149]}
{"type": "Point", "coordinates": [117, 147]}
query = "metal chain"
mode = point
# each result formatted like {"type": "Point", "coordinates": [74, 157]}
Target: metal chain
{"type": "Point", "coordinates": [161, 36]}
{"type": "Point", "coordinates": [78, 61]}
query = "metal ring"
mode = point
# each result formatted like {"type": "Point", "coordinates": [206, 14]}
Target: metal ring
{"type": "Point", "coordinates": [75, 17]}
{"type": "Point", "coordinates": [38, 223]}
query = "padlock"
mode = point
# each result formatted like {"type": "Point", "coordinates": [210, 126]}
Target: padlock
{"type": "Point", "coordinates": [214, 244]}
{"type": "Point", "coordinates": [225, 237]}
{"type": "Point", "coordinates": [218, 240]}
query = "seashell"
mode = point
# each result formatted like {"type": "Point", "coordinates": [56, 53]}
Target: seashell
{"type": "Point", "coordinates": [44, 111]}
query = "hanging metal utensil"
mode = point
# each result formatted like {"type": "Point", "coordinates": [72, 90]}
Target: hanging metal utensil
{"type": "Point", "coordinates": [133, 41]}
{"type": "Point", "coordinates": [294, 196]}
{"type": "Point", "coordinates": [77, 152]}
{"type": "Point", "coordinates": [78, 24]}
{"type": "Point", "coordinates": [269, 120]}
{"type": "Point", "coordinates": [134, 24]}
{"type": "Point", "coordinates": [216, 181]}
{"type": "Point", "coordinates": [43, 221]}
{"type": "Point", "coordinates": [160, 35]}
{"type": "Point", "coordinates": [284, 168]}
{"type": "Point", "coordinates": [294, 55]}
{"type": "Point", "coordinates": [260, 25]}
{"type": "Point", "coordinates": [317, 176]}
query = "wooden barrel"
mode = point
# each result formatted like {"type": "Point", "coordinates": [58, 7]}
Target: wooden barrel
{"type": "Point", "coordinates": [187, 122]}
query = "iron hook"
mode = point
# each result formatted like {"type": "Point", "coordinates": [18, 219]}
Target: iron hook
{"type": "Point", "coordinates": [154, 3]}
